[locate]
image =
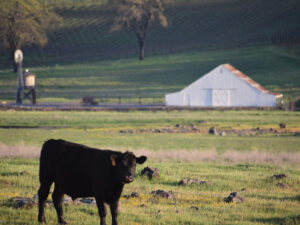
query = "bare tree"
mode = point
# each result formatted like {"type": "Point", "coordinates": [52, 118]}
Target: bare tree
{"type": "Point", "coordinates": [140, 15]}
{"type": "Point", "coordinates": [24, 22]}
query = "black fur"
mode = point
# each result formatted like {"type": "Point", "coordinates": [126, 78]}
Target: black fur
{"type": "Point", "coordinates": [81, 171]}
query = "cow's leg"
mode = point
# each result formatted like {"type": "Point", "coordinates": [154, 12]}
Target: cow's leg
{"type": "Point", "coordinates": [57, 197]}
{"type": "Point", "coordinates": [43, 194]}
{"type": "Point", "coordinates": [101, 210]}
{"type": "Point", "coordinates": [114, 212]}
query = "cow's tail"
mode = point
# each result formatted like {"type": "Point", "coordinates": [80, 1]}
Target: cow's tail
{"type": "Point", "coordinates": [46, 172]}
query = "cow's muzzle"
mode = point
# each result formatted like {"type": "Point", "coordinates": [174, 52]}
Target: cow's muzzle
{"type": "Point", "coordinates": [128, 179]}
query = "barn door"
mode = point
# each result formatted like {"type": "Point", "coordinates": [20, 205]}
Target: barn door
{"type": "Point", "coordinates": [220, 97]}
{"type": "Point", "coordinates": [187, 99]}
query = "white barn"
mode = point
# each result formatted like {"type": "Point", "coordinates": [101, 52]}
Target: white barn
{"type": "Point", "coordinates": [224, 86]}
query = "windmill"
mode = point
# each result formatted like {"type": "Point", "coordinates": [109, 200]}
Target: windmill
{"type": "Point", "coordinates": [25, 81]}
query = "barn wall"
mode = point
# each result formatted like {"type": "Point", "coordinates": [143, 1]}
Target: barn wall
{"type": "Point", "coordinates": [174, 99]}
{"type": "Point", "coordinates": [220, 87]}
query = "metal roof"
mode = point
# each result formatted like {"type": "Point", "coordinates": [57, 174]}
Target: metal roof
{"type": "Point", "coordinates": [249, 80]}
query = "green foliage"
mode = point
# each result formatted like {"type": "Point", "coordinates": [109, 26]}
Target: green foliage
{"type": "Point", "coordinates": [85, 34]}
{"type": "Point", "coordinates": [24, 22]}
{"type": "Point", "coordinates": [140, 15]}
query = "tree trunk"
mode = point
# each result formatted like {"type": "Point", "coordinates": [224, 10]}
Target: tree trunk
{"type": "Point", "coordinates": [15, 66]}
{"type": "Point", "coordinates": [142, 50]}
{"type": "Point", "coordinates": [141, 36]}
{"type": "Point", "coordinates": [12, 50]}
{"type": "Point", "coordinates": [142, 40]}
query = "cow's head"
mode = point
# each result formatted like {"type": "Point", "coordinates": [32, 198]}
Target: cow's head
{"type": "Point", "coordinates": [125, 165]}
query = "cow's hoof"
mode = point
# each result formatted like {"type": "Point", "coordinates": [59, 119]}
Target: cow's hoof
{"type": "Point", "coordinates": [42, 220]}
{"type": "Point", "coordinates": [62, 221]}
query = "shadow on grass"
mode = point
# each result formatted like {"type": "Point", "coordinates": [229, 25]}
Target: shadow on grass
{"type": "Point", "coordinates": [9, 174]}
{"type": "Point", "coordinates": [17, 205]}
{"type": "Point", "coordinates": [296, 198]}
{"type": "Point", "coordinates": [292, 198]}
{"type": "Point", "coordinates": [168, 183]}
{"type": "Point", "coordinates": [90, 212]}
{"type": "Point", "coordinates": [279, 220]}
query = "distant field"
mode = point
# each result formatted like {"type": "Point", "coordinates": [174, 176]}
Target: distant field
{"type": "Point", "coordinates": [83, 57]}
{"type": "Point", "coordinates": [103, 130]}
{"type": "Point", "coordinates": [276, 68]}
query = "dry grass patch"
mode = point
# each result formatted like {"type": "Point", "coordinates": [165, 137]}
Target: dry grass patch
{"type": "Point", "coordinates": [231, 156]}
{"type": "Point", "coordinates": [20, 150]}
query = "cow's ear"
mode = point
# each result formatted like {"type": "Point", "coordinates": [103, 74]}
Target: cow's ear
{"type": "Point", "coordinates": [141, 159]}
{"type": "Point", "coordinates": [113, 159]}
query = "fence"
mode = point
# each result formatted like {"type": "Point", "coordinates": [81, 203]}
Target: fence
{"type": "Point", "coordinates": [123, 100]}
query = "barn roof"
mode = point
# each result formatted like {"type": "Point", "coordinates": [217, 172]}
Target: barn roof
{"type": "Point", "coordinates": [249, 80]}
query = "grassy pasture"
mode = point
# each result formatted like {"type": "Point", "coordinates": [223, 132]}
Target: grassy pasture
{"type": "Point", "coordinates": [265, 203]}
{"type": "Point", "coordinates": [273, 67]}
{"type": "Point", "coordinates": [102, 129]}
{"type": "Point", "coordinates": [83, 57]}
{"type": "Point", "coordinates": [227, 163]}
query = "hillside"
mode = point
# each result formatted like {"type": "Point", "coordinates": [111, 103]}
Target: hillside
{"type": "Point", "coordinates": [85, 34]}
{"type": "Point", "coordinates": [275, 68]}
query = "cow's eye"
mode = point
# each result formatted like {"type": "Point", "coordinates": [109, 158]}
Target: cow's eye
{"type": "Point", "coordinates": [130, 164]}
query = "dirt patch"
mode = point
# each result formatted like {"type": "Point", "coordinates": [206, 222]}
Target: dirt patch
{"type": "Point", "coordinates": [190, 181]}
{"type": "Point", "coordinates": [282, 185]}
{"type": "Point", "coordinates": [234, 197]}
{"type": "Point", "coordinates": [150, 173]}
{"type": "Point", "coordinates": [197, 128]}
{"type": "Point", "coordinates": [132, 195]}
{"type": "Point", "coordinates": [279, 176]}
{"type": "Point", "coordinates": [164, 194]}
{"type": "Point", "coordinates": [21, 202]}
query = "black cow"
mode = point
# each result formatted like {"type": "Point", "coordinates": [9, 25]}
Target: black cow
{"type": "Point", "coordinates": [81, 171]}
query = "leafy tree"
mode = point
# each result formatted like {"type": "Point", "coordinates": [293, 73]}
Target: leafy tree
{"type": "Point", "coordinates": [140, 15]}
{"type": "Point", "coordinates": [24, 22]}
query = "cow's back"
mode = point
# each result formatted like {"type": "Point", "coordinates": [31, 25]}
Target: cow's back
{"type": "Point", "coordinates": [58, 156]}
{"type": "Point", "coordinates": [77, 168]}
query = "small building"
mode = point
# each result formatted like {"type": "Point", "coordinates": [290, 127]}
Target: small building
{"type": "Point", "coordinates": [221, 87]}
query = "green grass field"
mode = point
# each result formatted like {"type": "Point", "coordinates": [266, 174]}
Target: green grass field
{"type": "Point", "coordinates": [228, 163]}
{"type": "Point", "coordinates": [273, 67]}
{"type": "Point", "coordinates": [100, 129]}
{"type": "Point", "coordinates": [83, 57]}
{"type": "Point", "coordinates": [265, 203]}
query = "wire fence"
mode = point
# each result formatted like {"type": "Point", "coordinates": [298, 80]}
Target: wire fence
{"type": "Point", "coordinates": [121, 100]}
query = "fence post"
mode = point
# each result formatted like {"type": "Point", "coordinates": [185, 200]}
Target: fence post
{"type": "Point", "coordinates": [120, 100]}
